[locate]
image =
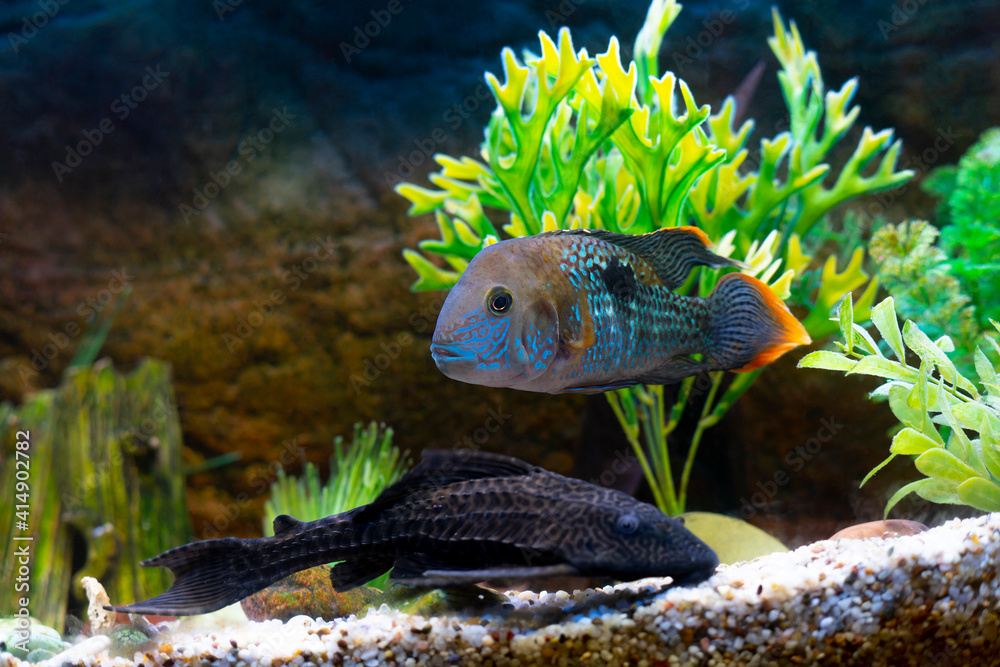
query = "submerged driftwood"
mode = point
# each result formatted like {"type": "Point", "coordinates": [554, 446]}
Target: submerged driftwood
{"type": "Point", "coordinates": [105, 466]}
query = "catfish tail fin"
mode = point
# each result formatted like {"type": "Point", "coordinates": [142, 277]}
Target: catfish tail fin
{"type": "Point", "coordinates": [752, 326]}
{"type": "Point", "coordinates": [212, 574]}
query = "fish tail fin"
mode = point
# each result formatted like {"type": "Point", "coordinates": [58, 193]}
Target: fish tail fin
{"type": "Point", "coordinates": [212, 574]}
{"type": "Point", "coordinates": [752, 326]}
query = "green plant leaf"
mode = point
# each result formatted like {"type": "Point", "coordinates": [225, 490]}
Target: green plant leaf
{"type": "Point", "coordinates": [874, 470]}
{"type": "Point", "coordinates": [987, 374]}
{"type": "Point", "coordinates": [884, 319]}
{"type": "Point", "coordinates": [971, 415]}
{"type": "Point", "coordinates": [646, 51]}
{"type": "Point", "coordinates": [850, 182]}
{"type": "Point", "coordinates": [913, 416]}
{"type": "Point", "coordinates": [980, 493]}
{"type": "Point", "coordinates": [429, 277]}
{"type": "Point", "coordinates": [989, 448]}
{"type": "Point", "coordinates": [912, 442]}
{"type": "Point", "coordinates": [421, 199]}
{"type": "Point", "coordinates": [959, 443]}
{"type": "Point", "coordinates": [833, 287]}
{"type": "Point", "coordinates": [826, 360]}
{"type": "Point", "coordinates": [939, 491]}
{"type": "Point", "coordinates": [925, 348]}
{"type": "Point", "coordinates": [884, 368]}
{"type": "Point", "coordinates": [864, 340]}
{"type": "Point", "coordinates": [942, 464]}
{"type": "Point", "coordinates": [846, 317]}
{"type": "Point", "coordinates": [934, 490]}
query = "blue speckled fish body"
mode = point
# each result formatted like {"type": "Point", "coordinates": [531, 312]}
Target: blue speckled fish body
{"type": "Point", "coordinates": [592, 311]}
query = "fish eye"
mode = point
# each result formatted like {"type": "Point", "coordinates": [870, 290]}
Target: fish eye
{"type": "Point", "coordinates": [499, 300]}
{"type": "Point", "coordinates": [627, 524]}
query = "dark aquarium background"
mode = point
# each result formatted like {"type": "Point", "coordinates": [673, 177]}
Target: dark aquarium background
{"type": "Point", "coordinates": [229, 164]}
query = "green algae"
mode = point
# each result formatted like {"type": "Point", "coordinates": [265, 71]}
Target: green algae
{"type": "Point", "coordinates": [308, 593]}
{"type": "Point", "coordinates": [105, 464]}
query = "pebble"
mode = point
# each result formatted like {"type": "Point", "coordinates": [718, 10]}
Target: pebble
{"type": "Point", "coordinates": [836, 599]}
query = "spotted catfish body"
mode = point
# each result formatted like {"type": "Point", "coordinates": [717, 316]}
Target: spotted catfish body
{"type": "Point", "coordinates": [591, 311]}
{"type": "Point", "coordinates": [456, 517]}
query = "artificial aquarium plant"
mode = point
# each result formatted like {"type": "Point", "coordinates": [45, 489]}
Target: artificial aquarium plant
{"type": "Point", "coordinates": [950, 283]}
{"type": "Point", "coordinates": [357, 476]}
{"type": "Point", "coordinates": [914, 269]}
{"type": "Point", "coordinates": [583, 142]}
{"type": "Point", "coordinates": [969, 218]}
{"type": "Point", "coordinates": [949, 427]}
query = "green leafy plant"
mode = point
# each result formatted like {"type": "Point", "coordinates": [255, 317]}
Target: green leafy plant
{"type": "Point", "coordinates": [969, 218]}
{"type": "Point", "coordinates": [949, 427]}
{"type": "Point", "coordinates": [915, 271]}
{"type": "Point", "coordinates": [949, 280]}
{"type": "Point", "coordinates": [357, 476]}
{"type": "Point", "coordinates": [583, 142]}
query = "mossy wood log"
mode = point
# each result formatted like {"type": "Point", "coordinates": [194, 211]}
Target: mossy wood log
{"type": "Point", "coordinates": [105, 466]}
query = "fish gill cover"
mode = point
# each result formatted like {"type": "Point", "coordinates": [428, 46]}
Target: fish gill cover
{"type": "Point", "coordinates": [581, 142]}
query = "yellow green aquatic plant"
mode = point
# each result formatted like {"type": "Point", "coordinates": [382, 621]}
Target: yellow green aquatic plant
{"type": "Point", "coordinates": [969, 219]}
{"type": "Point", "coordinates": [583, 142]}
{"type": "Point", "coordinates": [915, 271]}
{"type": "Point", "coordinates": [948, 276]}
{"type": "Point", "coordinates": [358, 474]}
{"type": "Point", "coordinates": [949, 427]}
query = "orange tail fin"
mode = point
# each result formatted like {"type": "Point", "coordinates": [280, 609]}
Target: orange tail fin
{"type": "Point", "coordinates": [752, 326]}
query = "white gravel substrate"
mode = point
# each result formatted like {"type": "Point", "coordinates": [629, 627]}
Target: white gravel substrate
{"type": "Point", "coordinates": [927, 599]}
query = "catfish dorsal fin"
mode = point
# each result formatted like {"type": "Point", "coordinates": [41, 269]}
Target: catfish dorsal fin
{"type": "Point", "coordinates": [672, 252]}
{"type": "Point", "coordinates": [284, 523]}
{"type": "Point", "coordinates": [439, 467]}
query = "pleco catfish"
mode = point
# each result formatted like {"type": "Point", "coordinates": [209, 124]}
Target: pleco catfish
{"type": "Point", "coordinates": [590, 311]}
{"type": "Point", "coordinates": [457, 517]}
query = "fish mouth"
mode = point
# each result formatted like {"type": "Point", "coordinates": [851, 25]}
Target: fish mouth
{"type": "Point", "coordinates": [453, 355]}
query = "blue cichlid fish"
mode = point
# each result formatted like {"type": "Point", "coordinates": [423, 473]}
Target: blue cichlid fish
{"type": "Point", "coordinates": [591, 311]}
{"type": "Point", "coordinates": [457, 517]}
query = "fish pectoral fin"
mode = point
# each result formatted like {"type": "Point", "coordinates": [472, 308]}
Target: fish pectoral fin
{"type": "Point", "coordinates": [437, 577]}
{"type": "Point", "coordinates": [411, 567]}
{"type": "Point", "coordinates": [562, 569]}
{"type": "Point", "coordinates": [673, 371]}
{"type": "Point", "coordinates": [352, 573]}
{"type": "Point", "coordinates": [600, 388]}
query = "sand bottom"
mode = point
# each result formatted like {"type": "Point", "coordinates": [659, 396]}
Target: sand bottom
{"type": "Point", "coordinates": [926, 599]}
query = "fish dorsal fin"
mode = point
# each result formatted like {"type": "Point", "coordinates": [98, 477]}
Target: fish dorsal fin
{"type": "Point", "coordinates": [284, 523]}
{"type": "Point", "coordinates": [440, 467]}
{"type": "Point", "coordinates": [672, 251]}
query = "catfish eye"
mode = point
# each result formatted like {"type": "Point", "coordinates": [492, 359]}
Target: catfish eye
{"type": "Point", "coordinates": [627, 524]}
{"type": "Point", "coordinates": [499, 300]}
